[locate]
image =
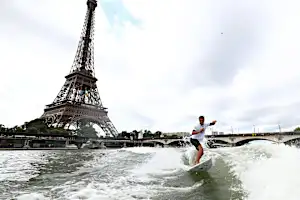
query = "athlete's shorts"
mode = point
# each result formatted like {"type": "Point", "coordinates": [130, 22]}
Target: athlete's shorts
{"type": "Point", "coordinates": [196, 143]}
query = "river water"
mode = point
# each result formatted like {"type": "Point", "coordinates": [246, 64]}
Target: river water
{"type": "Point", "coordinates": [256, 171]}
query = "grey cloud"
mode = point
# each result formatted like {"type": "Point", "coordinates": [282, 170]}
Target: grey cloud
{"type": "Point", "coordinates": [10, 15]}
{"type": "Point", "coordinates": [186, 119]}
{"type": "Point", "coordinates": [216, 113]}
{"type": "Point", "coordinates": [109, 65]}
{"type": "Point", "coordinates": [286, 116]}
{"type": "Point", "coordinates": [289, 88]}
{"type": "Point", "coordinates": [269, 117]}
{"type": "Point", "coordinates": [222, 103]}
{"type": "Point", "coordinates": [142, 119]}
{"type": "Point", "coordinates": [233, 43]}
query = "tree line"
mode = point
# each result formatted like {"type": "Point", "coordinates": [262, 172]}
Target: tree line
{"type": "Point", "coordinates": [147, 134]}
{"type": "Point", "coordinates": [84, 129]}
{"type": "Point", "coordinates": [40, 127]}
{"type": "Point", "coordinates": [36, 126]}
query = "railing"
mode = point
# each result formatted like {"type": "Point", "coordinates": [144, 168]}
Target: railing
{"type": "Point", "coordinates": [254, 134]}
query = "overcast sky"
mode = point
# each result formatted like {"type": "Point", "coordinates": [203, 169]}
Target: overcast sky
{"type": "Point", "coordinates": [160, 63]}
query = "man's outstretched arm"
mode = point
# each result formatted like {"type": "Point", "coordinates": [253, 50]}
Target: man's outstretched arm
{"type": "Point", "coordinates": [212, 123]}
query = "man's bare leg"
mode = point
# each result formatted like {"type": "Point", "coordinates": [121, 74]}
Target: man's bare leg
{"type": "Point", "coordinates": [199, 154]}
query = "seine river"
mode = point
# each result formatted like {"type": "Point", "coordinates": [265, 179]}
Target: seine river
{"type": "Point", "coordinates": [258, 171]}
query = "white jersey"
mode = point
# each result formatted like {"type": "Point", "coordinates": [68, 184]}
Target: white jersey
{"type": "Point", "coordinates": [200, 136]}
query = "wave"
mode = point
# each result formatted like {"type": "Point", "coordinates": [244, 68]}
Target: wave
{"type": "Point", "coordinates": [254, 172]}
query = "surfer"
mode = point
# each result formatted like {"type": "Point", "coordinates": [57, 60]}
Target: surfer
{"type": "Point", "coordinates": [198, 135]}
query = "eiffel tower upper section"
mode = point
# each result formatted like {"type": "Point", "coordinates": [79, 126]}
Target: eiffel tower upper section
{"type": "Point", "coordinates": [79, 97]}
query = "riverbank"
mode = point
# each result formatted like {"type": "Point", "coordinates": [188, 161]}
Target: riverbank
{"type": "Point", "coordinates": [16, 149]}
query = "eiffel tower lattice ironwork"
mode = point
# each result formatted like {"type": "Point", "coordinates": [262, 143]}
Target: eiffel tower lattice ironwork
{"type": "Point", "coordinates": [79, 97]}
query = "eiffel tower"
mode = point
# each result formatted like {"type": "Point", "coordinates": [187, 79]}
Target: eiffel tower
{"type": "Point", "coordinates": [79, 98]}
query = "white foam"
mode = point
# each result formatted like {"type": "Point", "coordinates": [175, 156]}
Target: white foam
{"type": "Point", "coordinates": [21, 168]}
{"type": "Point", "coordinates": [267, 171]}
{"type": "Point", "coordinates": [140, 183]}
{"type": "Point", "coordinates": [189, 156]}
{"type": "Point", "coordinates": [163, 162]}
{"type": "Point", "coordinates": [141, 150]}
{"type": "Point", "coordinates": [32, 196]}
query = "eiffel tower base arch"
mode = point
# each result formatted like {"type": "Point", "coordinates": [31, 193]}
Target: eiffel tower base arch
{"type": "Point", "coordinates": [66, 114]}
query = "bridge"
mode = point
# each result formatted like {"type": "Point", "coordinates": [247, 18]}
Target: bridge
{"type": "Point", "coordinates": [162, 141]}
{"type": "Point", "coordinates": [33, 140]}
{"type": "Point", "coordinates": [141, 142]}
{"type": "Point", "coordinates": [241, 139]}
{"type": "Point", "coordinates": [216, 140]}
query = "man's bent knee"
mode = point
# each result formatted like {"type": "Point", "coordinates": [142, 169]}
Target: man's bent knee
{"type": "Point", "coordinates": [200, 147]}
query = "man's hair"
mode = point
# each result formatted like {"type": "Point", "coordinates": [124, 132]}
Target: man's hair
{"type": "Point", "coordinates": [201, 117]}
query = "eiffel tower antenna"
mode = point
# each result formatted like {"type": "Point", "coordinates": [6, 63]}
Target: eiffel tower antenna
{"type": "Point", "coordinates": [79, 97]}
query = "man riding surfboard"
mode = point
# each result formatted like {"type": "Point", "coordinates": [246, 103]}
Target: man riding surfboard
{"type": "Point", "coordinates": [198, 135]}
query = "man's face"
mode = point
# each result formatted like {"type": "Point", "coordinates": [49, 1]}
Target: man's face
{"type": "Point", "coordinates": [201, 120]}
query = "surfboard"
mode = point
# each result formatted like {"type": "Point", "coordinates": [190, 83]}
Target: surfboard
{"type": "Point", "coordinates": [202, 166]}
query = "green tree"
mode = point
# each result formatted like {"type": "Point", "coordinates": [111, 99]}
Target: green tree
{"type": "Point", "coordinates": [148, 134]}
{"type": "Point", "coordinates": [123, 134]}
{"type": "Point", "coordinates": [157, 134]}
{"type": "Point", "coordinates": [38, 124]}
{"type": "Point", "coordinates": [32, 130]}
{"type": "Point", "coordinates": [134, 134]}
{"type": "Point", "coordinates": [297, 129]}
{"type": "Point", "coordinates": [2, 127]}
{"type": "Point", "coordinates": [86, 129]}
{"type": "Point", "coordinates": [19, 129]}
